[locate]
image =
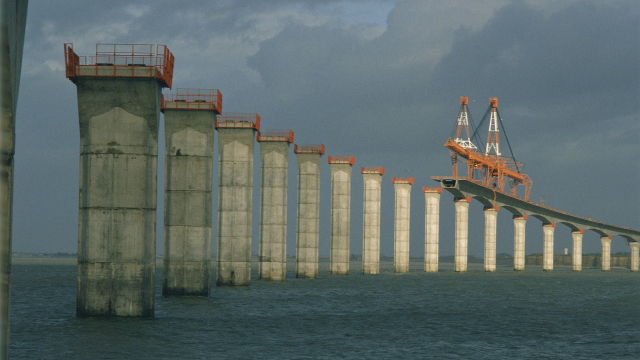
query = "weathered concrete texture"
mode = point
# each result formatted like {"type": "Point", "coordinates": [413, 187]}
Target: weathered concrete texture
{"type": "Point", "coordinates": [431, 231]}
{"type": "Point", "coordinates": [371, 224]}
{"type": "Point", "coordinates": [117, 220]}
{"type": "Point", "coordinates": [490, 224]}
{"type": "Point", "coordinates": [402, 225]}
{"type": "Point", "coordinates": [519, 223]}
{"type": "Point", "coordinates": [462, 233]}
{"type": "Point", "coordinates": [13, 19]}
{"type": "Point", "coordinates": [547, 255]}
{"type": "Point", "coordinates": [606, 253]}
{"type": "Point", "coordinates": [308, 223]}
{"type": "Point", "coordinates": [340, 218]}
{"type": "Point", "coordinates": [186, 266]}
{"type": "Point", "coordinates": [634, 255]}
{"type": "Point", "coordinates": [274, 165]}
{"type": "Point", "coordinates": [577, 250]}
{"type": "Point", "coordinates": [235, 194]}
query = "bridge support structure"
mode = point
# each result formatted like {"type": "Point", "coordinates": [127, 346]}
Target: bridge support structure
{"type": "Point", "coordinates": [462, 233]}
{"type": "Point", "coordinates": [340, 252]}
{"type": "Point", "coordinates": [402, 224]}
{"type": "Point", "coordinates": [606, 252]}
{"type": "Point", "coordinates": [577, 249]}
{"type": "Point", "coordinates": [634, 255]}
{"type": "Point", "coordinates": [431, 228]}
{"type": "Point", "coordinates": [547, 252]}
{"type": "Point", "coordinates": [519, 224]}
{"type": "Point", "coordinates": [490, 232]}
{"type": "Point", "coordinates": [372, 179]}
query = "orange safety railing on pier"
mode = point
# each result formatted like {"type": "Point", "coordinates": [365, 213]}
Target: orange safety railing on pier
{"type": "Point", "coordinates": [238, 121]}
{"type": "Point", "coordinates": [121, 60]}
{"type": "Point", "coordinates": [275, 135]}
{"type": "Point", "coordinates": [402, 180]}
{"type": "Point", "coordinates": [372, 170]}
{"type": "Point", "coordinates": [193, 99]}
{"type": "Point", "coordinates": [342, 160]}
{"type": "Point", "coordinates": [432, 189]}
{"type": "Point", "coordinates": [309, 149]}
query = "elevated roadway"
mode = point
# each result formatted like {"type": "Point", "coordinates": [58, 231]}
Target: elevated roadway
{"type": "Point", "coordinates": [464, 188]}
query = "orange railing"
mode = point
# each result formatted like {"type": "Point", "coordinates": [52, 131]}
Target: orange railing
{"type": "Point", "coordinates": [432, 189]}
{"type": "Point", "coordinates": [238, 120]}
{"type": "Point", "coordinates": [402, 180]}
{"type": "Point", "coordinates": [122, 60]}
{"type": "Point", "coordinates": [309, 149]}
{"type": "Point", "coordinates": [193, 99]}
{"type": "Point", "coordinates": [342, 160]}
{"type": "Point", "coordinates": [275, 135]}
{"type": "Point", "coordinates": [372, 170]}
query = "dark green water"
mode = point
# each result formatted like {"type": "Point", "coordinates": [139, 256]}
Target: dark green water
{"type": "Point", "coordinates": [475, 315]}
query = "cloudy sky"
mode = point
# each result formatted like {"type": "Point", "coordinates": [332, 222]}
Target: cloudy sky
{"type": "Point", "coordinates": [380, 80]}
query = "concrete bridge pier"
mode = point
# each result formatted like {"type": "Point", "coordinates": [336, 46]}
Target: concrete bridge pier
{"type": "Point", "coordinates": [606, 253]}
{"type": "Point", "coordinates": [490, 225]}
{"type": "Point", "coordinates": [431, 228]}
{"type": "Point", "coordinates": [462, 233]}
{"type": "Point", "coordinates": [547, 254]}
{"type": "Point", "coordinates": [519, 223]}
{"type": "Point", "coordinates": [340, 213]}
{"type": "Point", "coordinates": [402, 224]}
{"type": "Point", "coordinates": [308, 223]}
{"type": "Point", "coordinates": [372, 178]}
{"type": "Point", "coordinates": [577, 249]}
{"type": "Point", "coordinates": [634, 255]}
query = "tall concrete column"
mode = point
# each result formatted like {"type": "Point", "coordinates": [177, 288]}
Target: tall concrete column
{"type": "Point", "coordinates": [547, 252]}
{"type": "Point", "coordinates": [577, 249]}
{"type": "Point", "coordinates": [372, 179]}
{"type": "Point", "coordinates": [340, 213]}
{"type": "Point", "coordinates": [519, 223]}
{"type": "Point", "coordinates": [189, 117]}
{"type": "Point", "coordinates": [308, 223]}
{"type": "Point", "coordinates": [431, 227]}
{"type": "Point", "coordinates": [490, 225]}
{"type": "Point", "coordinates": [12, 24]}
{"type": "Point", "coordinates": [274, 166]}
{"type": "Point", "coordinates": [402, 224]}
{"type": "Point", "coordinates": [606, 253]}
{"type": "Point", "coordinates": [118, 110]}
{"type": "Point", "coordinates": [462, 233]}
{"type": "Point", "coordinates": [634, 255]}
{"type": "Point", "coordinates": [236, 134]}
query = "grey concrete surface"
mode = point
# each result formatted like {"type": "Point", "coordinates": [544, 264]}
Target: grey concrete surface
{"type": "Point", "coordinates": [13, 17]}
{"type": "Point", "coordinates": [606, 253]}
{"type": "Point", "coordinates": [634, 255]}
{"type": "Point", "coordinates": [547, 246]}
{"type": "Point", "coordinates": [308, 222]}
{"type": "Point", "coordinates": [462, 234]}
{"type": "Point", "coordinates": [117, 213]}
{"type": "Point", "coordinates": [235, 195]}
{"type": "Point", "coordinates": [371, 223]}
{"type": "Point", "coordinates": [339, 254]}
{"type": "Point", "coordinates": [186, 267]}
{"type": "Point", "coordinates": [402, 226]}
{"type": "Point", "coordinates": [274, 165]}
{"type": "Point", "coordinates": [577, 250]}
{"type": "Point", "coordinates": [490, 233]}
{"type": "Point", "coordinates": [519, 226]}
{"type": "Point", "coordinates": [431, 229]}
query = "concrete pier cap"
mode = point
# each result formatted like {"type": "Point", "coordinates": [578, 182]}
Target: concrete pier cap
{"type": "Point", "coordinates": [189, 115]}
{"type": "Point", "coordinates": [274, 169]}
{"type": "Point", "coordinates": [119, 92]}
{"type": "Point", "coordinates": [340, 254]}
{"type": "Point", "coordinates": [308, 221]}
{"type": "Point", "coordinates": [236, 135]}
{"type": "Point", "coordinates": [372, 179]}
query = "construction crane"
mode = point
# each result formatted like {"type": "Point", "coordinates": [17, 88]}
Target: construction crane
{"type": "Point", "coordinates": [489, 168]}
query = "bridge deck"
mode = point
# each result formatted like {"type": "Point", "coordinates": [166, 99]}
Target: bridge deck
{"type": "Point", "coordinates": [463, 188]}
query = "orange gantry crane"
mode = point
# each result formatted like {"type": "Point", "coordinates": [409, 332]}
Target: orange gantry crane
{"type": "Point", "coordinates": [489, 168]}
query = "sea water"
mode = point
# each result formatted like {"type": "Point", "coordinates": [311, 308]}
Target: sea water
{"type": "Point", "coordinates": [417, 315]}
